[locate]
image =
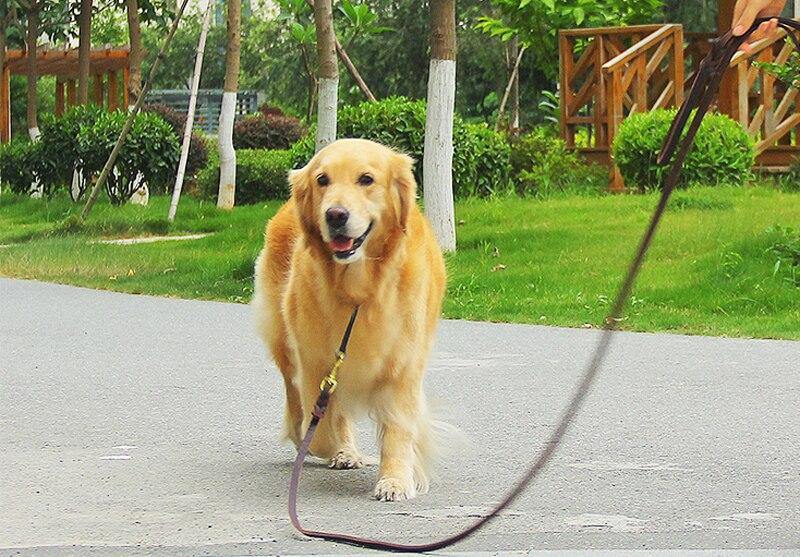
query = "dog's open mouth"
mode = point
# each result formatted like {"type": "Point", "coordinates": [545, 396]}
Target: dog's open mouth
{"type": "Point", "coordinates": [345, 246]}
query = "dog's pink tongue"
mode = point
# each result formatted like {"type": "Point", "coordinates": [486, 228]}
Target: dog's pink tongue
{"type": "Point", "coordinates": [341, 243]}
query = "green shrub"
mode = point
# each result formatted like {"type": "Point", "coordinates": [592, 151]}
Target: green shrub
{"type": "Point", "coordinates": [722, 153]}
{"type": "Point", "coordinates": [150, 150]}
{"type": "Point", "coordinates": [480, 155]}
{"type": "Point", "coordinates": [59, 143]}
{"type": "Point", "coordinates": [18, 161]}
{"type": "Point", "coordinates": [198, 147]}
{"type": "Point", "coordinates": [543, 165]}
{"type": "Point", "coordinates": [267, 131]}
{"type": "Point", "coordinates": [261, 174]}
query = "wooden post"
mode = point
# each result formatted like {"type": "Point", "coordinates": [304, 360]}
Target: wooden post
{"type": "Point", "coordinates": [564, 76]}
{"type": "Point", "coordinates": [5, 105]}
{"type": "Point", "coordinates": [59, 97]}
{"type": "Point", "coordinates": [601, 102]}
{"type": "Point", "coordinates": [727, 89]}
{"type": "Point", "coordinates": [113, 93]}
{"type": "Point", "coordinates": [72, 91]}
{"type": "Point", "coordinates": [98, 89]}
{"type": "Point", "coordinates": [678, 64]}
{"type": "Point", "coordinates": [126, 84]}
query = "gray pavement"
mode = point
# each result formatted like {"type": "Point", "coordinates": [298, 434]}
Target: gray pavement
{"type": "Point", "coordinates": [132, 425]}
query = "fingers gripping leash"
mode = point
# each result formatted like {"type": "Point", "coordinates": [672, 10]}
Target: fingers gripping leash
{"type": "Point", "coordinates": [676, 146]}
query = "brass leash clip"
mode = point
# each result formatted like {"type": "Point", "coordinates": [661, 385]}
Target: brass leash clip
{"type": "Point", "coordinates": [329, 383]}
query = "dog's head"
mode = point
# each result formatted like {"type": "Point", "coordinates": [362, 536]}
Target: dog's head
{"type": "Point", "coordinates": [352, 192]}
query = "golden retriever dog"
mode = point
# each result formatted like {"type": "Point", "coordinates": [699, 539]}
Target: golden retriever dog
{"type": "Point", "coordinates": [352, 234]}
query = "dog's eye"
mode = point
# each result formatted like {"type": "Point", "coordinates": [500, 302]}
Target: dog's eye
{"type": "Point", "coordinates": [365, 180]}
{"type": "Point", "coordinates": [323, 180]}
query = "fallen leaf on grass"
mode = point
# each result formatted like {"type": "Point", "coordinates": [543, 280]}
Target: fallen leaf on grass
{"type": "Point", "coordinates": [498, 267]}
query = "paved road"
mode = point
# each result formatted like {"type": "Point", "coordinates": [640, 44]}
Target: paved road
{"type": "Point", "coordinates": [139, 425]}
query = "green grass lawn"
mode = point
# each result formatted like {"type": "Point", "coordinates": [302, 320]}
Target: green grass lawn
{"type": "Point", "coordinates": [553, 262]}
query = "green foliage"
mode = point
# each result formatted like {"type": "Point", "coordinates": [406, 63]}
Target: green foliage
{"type": "Point", "coordinates": [260, 175]}
{"type": "Point", "coordinates": [536, 22]}
{"type": "Point", "coordinates": [543, 166]}
{"type": "Point", "coordinates": [788, 72]}
{"type": "Point", "coordinates": [151, 149]}
{"type": "Point", "coordinates": [790, 181]}
{"type": "Point", "coordinates": [18, 161]}
{"type": "Point", "coordinates": [722, 153]}
{"type": "Point", "coordinates": [480, 156]}
{"type": "Point", "coordinates": [198, 150]}
{"type": "Point", "coordinates": [267, 131]}
{"type": "Point", "coordinates": [785, 247]}
{"type": "Point", "coordinates": [59, 142]}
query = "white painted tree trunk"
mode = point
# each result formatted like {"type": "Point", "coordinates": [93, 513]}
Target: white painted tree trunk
{"type": "Point", "coordinates": [187, 132]}
{"type": "Point", "coordinates": [437, 159]}
{"type": "Point", "coordinates": [34, 133]}
{"type": "Point", "coordinates": [227, 154]}
{"type": "Point", "coordinates": [326, 111]}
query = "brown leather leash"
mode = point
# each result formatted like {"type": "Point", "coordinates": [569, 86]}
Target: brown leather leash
{"type": "Point", "coordinates": [677, 144]}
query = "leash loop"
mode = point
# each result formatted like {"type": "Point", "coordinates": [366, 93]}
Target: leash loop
{"type": "Point", "coordinates": [676, 147]}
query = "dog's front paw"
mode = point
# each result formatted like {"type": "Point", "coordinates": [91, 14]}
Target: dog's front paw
{"type": "Point", "coordinates": [346, 460]}
{"type": "Point", "coordinates": [392, 489]}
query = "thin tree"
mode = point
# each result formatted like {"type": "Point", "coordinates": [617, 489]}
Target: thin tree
{"type": "Point", "coordinates": [136, 54]}
{"type": "Point", "coordinates": [227, 113]}
{"type": "Point", "coordinates": [84, 49]}
{"type": "Point", "coordinates": [437, 159]}
{"type": "Point", "coordinates": [112, 158]}
{"type": "Point", "coordinates": [328, 97]}
{"type": "Point", "coordinates": [32, 15]}
{"type": "Point", "coordinates": [7, 15]}
{"type": "Point", "coordinates": [187, 132]}
{"type": "Point", "coordinates": [512, 85]}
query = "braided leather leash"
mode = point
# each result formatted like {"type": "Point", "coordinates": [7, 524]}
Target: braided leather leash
{"type": "Point", "coordinates": [677, 144]}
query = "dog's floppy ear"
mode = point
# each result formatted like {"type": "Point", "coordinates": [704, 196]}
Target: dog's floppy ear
{"type": "Point", "coordinates": [298, 180]}
{"type": "Point", "coordinates": [405, 186]}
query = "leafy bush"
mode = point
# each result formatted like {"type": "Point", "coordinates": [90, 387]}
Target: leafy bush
{"type": "Point", "coordinates": [151, 150]}
{"type": "Point", "coordinates": [198, 146]}
{"type": "Point", "coordinates": [480, 156]}
{"type": "Point", "coordinates": [261, 174]}
{"type": "Point", "coordinates": [18, 162]}
{"type": "Point", "coordinates": [58, 142]}
{"type": "Point", "coordinates": [542, 165]}
{"type": "Point", "coordinates": [722, 154]}
{"type": "Point", "coordinates": [267, 131]}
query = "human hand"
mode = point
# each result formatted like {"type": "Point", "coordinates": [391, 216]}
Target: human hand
{"type": "Point", "coordinates": [746, 11]}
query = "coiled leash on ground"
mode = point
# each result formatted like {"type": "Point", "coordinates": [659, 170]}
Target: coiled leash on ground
{"type": "Point", "coordinates": [701, 95]}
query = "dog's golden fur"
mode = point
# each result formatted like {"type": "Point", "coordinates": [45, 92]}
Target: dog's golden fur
{"type": "Point", "coordinates": [304, 297]}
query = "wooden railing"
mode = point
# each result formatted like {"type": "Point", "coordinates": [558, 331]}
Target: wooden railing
{"type": "Point", "coordinates": [609, 73]}
{"type": "Point", "coordinates": [765, 107]}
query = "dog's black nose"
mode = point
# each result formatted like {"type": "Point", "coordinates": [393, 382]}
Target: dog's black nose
{"type": "Point", "coordinates": [336, 216]}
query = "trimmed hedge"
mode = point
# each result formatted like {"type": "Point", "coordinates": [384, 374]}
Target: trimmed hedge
{"type": "Point", "coordinates": [543, 165]}
{"type": "Point", "coordinates": [480, 156]}
{"type": "Point", "coordinates": [267, 131]}
{"type": "Point", "coordinates": [19, 162]}
{"type": "Point", "coordinates": [722, 153]}
{"type": "Point", "coordinates": [261, 174]}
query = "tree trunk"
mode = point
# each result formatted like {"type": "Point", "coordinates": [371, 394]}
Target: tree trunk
{"type": "Point", "coordinates": [136, 55]}
{"type": "Point", "coordinates": [30, 44]}
{"type": "Point", "coordinates": [84, 49]}
{"type": "Point", "coordinates": [509, 86]}
{"type": "Point", "coordinates": [328, 95]}
{"type": "Point", "coordinates": [187, 132]}
{"type": "Point", "coordinates": [227, 155]}
{"type": "Point", "coordinates": [437, 163]}
{"type": "Point", "coordinates": [348, 64]}
{"type": "Point", "coordinates": [513, 121]}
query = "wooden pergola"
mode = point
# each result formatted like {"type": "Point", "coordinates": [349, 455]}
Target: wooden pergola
{"type": "Point", "coordinates": [104, 67]}
{"type": "Point", "coordinates": [607, 74]}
